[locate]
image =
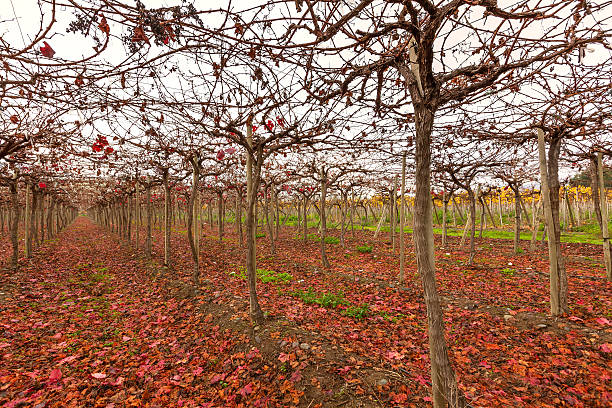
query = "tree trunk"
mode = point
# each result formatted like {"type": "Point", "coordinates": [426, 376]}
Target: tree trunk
{"type": "Point", "coordinates": [14, 222]}
{"type": "Point", "coordinates": [137, 215]}
{"type": "Point", "coordinates": [148, 242]}
{"type": "Point", "coordinates": [444, 220]}
{"type": "Point", "coordinates": [535, 225]}
{"type": "Point", "coordinates": [343, 207]}
{"type": "Point", "coordinates": [482, 218]}
{"type": "Point", "coordinates": [269, 222]}
{"type": "Point", "coordinates": [305, 219]}
{"type": "Point", "coordinates": [517, 220]}
{"type": "Point", "coordinates": [192, 222]}
{"type": "Point", "coordinates": [402, 244]}
{"type": "Point", "coordinates": [555, 188]}
{"type": "Point", "coordinates": [556, 307]}
{"type": "Point", "coordinates": [167, 206]}
{"type": "Point", "coordinates": [444, 383]}
{"type": "Point", "coordinates": [253, 179]}
{"type": "Point", "coordinates": [595, 196]}
{"type": "Point", "coordinates": [323, 218]}
{"type": "Point", "coordinates": [28, 222]}
{"type": "Point", "coordinates": [392, 213]}
{"type": "Point", "coordinates": [472, 199]}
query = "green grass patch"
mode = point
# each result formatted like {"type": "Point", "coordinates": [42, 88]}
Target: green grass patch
{"type": "Point", "coordinates": [264, 275]}
{"type": "Point", "coordinates": [332, 240]}
{"type": "Point", "coordinates": [357, 312]}
{"type": "Point", "coordinates": [366, 249]}
{"type": "Point", "coordinates": [327, 300]}
{"type": "Point", "coordinates": [508, 272]}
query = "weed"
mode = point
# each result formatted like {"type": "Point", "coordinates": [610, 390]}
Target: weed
{"type": "Point", "coordinates": [264, 275]}
{"type": "Point", "coordinates": [357, 312]}
{"type": "Point", "coordinates": [332, 240]}
{"type": "Point", "coordinates": [366, 249]}
{"type": "Point", "coordinates": [328, 300]}
{"type": "Point", "coordinates": [508, 272]}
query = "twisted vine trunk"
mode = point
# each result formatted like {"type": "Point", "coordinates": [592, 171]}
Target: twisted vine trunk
{"type": "Point", "coordinates": [166, 219]}
{"type": "Point", "coordinates": [253, 171]}
{"type": "Point", "coordinates": [323, 219]}
{"type": "Point", "coordinates": [192, 224]}
{"type": "Point", "coordinates": [444, 384]}
{"type": "Point", "coordinates": [14, 222]}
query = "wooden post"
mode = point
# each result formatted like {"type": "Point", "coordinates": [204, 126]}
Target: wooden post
{"type": "Point", "coordinates": [555, 308]}
{"type": "Point", "coordinates": [28, 222]}
{"type": "Point", "coordinates": [604, 218]}
{"type": "Point", "coordinates": [402, 220]}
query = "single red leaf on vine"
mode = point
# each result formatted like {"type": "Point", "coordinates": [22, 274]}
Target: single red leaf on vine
{"type": "Point", "coordinates": [220, 155]}
{"type": "Point", "coordinates": [103, 26]}
{"type": "Point", "coordinates": [14, 119]}
{"type": "Point", "coordinates": [42, 185]}
{"type": "Point", "coordinates": [139, 35]}
{"type": "Point", "coordinates": [46, 50]}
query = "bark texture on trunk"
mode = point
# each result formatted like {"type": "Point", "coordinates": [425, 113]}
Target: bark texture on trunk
{"type": "Point", "coordinates": [253, 171]}
{"type": "Point", "coordinates": [323, 218]}
{"type": "Point", "coordinates": [167, 206]}
{"type": "Point", "coordinates": [402, 244]}
{"type": "Point", "coordinates": [444, 383]}
{"type": "Point", "coordinates": [14, 222]}
{"type": "Point", "coordinates": [556, 302]}
{"type": "Point", "coordinates": [192, 222]}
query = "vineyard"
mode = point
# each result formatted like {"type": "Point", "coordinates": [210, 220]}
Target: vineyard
{"type": "Point", "coordinates": [358, 203]}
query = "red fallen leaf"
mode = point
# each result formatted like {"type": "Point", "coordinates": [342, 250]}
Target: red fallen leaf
{"type": "Point", "coordinates": [98, 376]}
{"type": "Point", "coordinates": [283, 357]}
{"type": "Point", "coordinates": [216, 378]}
{"type": "Point", "coordinates": [344, 370]}
{"type": "Point", "coordinates": [55, 376]}
{"type": "Point", "coordinates": [246, 390]}
{"type": "Point", "coordinates": [603, 321]}
{"type": "Point", "coordinates": [220, 155]}
{"type": "Point", "coordinates": [14, 119]}
{"type": "Point", "coordinates": [67, 359]}
{"type": "Point", "coordinates": [296, 376]}
{"type": "Point", "coordinates": [575, 319]}
{"type": "Point", "coordinates": [46, 50]}
{"type": "Point", "coordinates": [605, 347]}
{"type": "Point", "coordinates": [118, 382]}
